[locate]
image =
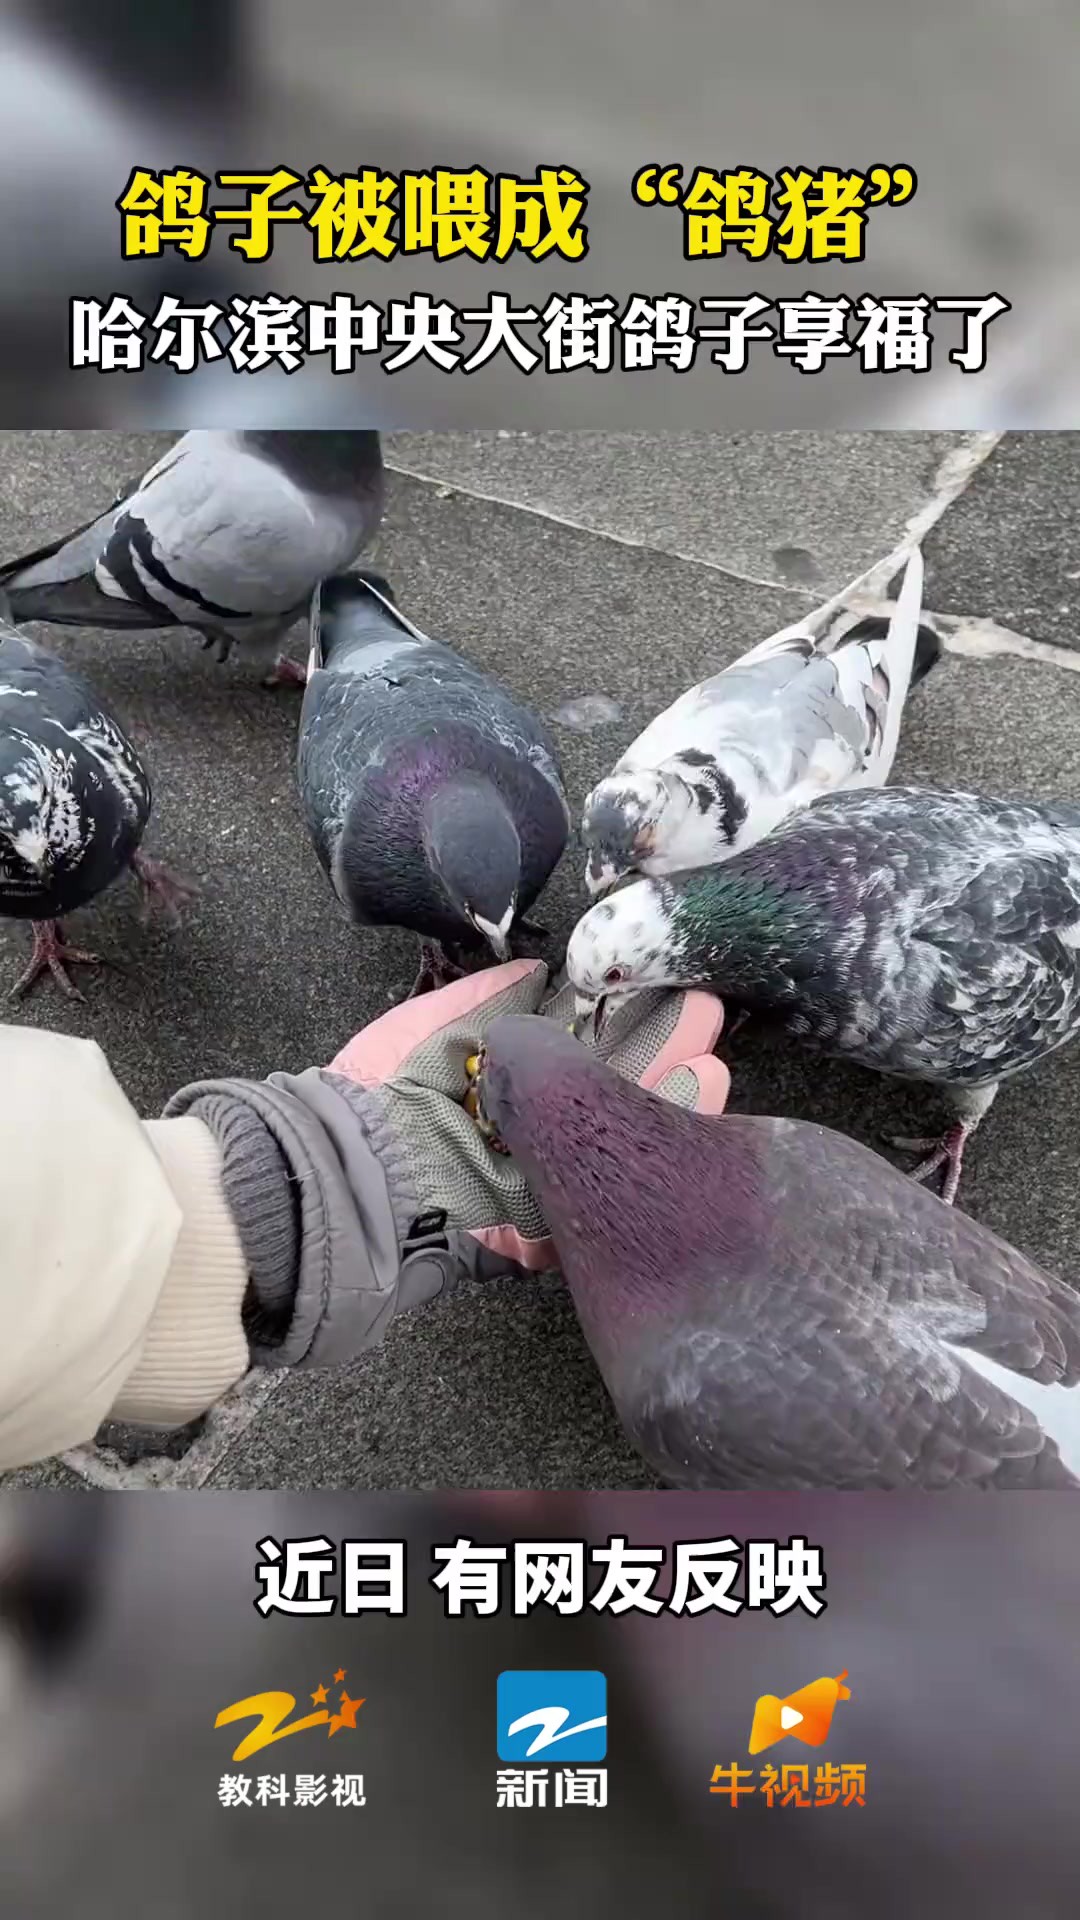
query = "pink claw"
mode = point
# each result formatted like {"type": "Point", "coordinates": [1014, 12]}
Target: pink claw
{"type": "Point", "coordinates": [52, 954]}
{"type": "Point", "coordinates": [170, 890]}
{"type": "Point", "coordinates": [286, 673]}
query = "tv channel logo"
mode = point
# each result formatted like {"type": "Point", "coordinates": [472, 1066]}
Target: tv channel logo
{"type": "Point", "coordinates": [550, 1715]}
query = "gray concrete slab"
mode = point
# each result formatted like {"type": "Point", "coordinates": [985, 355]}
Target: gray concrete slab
{"type": "Point", "coordinates": [49, 1475]}
{"type": "Point", "coordinates": [495, 1388]}
{"type": "Point", "coordinates": [805, 510]}
{"type": "Point", "coordinates": [1010, 547]}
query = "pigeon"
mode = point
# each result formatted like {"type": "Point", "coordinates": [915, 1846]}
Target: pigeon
{"type": "Point", "coordinates": [74, 803]}
{"type": "Point", "coordinates": [932, 935]}
{"type": "Point", "coordinates": [815, 708]}
{"type": "Point", "coordinates": [229, 533]}
{"type": "Point", "coordinates": [774, 1306]}
{"type": "Point", "coordinates": [433, 797]}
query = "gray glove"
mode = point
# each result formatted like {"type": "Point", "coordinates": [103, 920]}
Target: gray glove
{"type": "Point", "coordinates": [364, 1189]}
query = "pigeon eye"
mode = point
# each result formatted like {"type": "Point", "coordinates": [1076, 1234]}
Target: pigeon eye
{"type": "Point", "coordinates": [613, 976]}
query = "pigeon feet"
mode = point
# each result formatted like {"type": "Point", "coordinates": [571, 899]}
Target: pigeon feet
{"type": "Point", "coordinates": [436, 970]}
{"type": "Point", "coordinates": [169, 890]}
{"type": "Point", "coordinates": [947, 1152]}
{"type": "Point", "coordinates": [53, 955]}
{"type": "Point", "coordinates": [286, 673]}
{"type": "Point", "coordinates": [222, 643]}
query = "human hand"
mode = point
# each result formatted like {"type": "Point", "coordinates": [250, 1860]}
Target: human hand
{"type": "Point", "coordinates": [472, 1202]}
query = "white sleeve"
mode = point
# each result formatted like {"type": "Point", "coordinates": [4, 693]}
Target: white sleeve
{"type": "Point", "coordinates": [121, 1275]}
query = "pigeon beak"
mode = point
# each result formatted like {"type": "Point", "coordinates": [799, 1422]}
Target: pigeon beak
{"type": "Point", "coordinates": [32, 847]}
{"type": "Point", "coordinates": [599, 879]}
{"type": "Point", "coordinates": [496, 939]}
{"type": "Point", "coordinates": [497, 936]}
{"type": "Point", "coordinates": [587, 1012]}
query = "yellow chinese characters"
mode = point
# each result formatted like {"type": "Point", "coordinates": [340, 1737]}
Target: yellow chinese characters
{"type": "Point", "coordinates": [368, 214]}
{"type": "Point", "coordinates": [798, 215]}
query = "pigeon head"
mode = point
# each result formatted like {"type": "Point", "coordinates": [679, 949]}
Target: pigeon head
{"type": "Point", "coordinates": [627, 821]}
{"type": "Point", "coordinates": [628, 1183]}
{"type": "Point", "coordinates": [623, 945]}
{"type": "Point", "coordinates": [40, 817]}
{"type": "Point", "coordinates": [749, 928]}
{"type": "Point", "coordinates": [473, 849]}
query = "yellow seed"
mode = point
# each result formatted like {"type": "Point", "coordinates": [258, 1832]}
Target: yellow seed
{"type": "Point", "coordinates": [472, 1065]}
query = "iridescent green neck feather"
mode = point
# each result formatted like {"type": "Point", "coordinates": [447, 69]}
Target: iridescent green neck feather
{"type": "Point", "coordinates": [742, 932]}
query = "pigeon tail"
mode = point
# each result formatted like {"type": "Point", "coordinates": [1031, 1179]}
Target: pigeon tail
{"type": "Point", "coordinates": [56, 581]}
{"type": "Point", "coordinates": [350, 607]}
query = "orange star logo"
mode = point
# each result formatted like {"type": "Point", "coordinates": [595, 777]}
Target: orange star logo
{"type": "Point", "coordinates": [272, 1713]}
{"type": "Point", "coordinates": [346, 1714]}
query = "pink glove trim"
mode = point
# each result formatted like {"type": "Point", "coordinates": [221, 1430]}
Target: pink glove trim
{"type": "Point", "coordinates": [534, 1255]}
{"type": "Point", "coordinates": [697, 1031]}
{"type": "Point", "coordinates": [375, 1054]}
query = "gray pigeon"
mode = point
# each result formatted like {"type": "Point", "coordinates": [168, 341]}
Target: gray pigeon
{"type": "Point", "coordinates": [228, 534]}
{"type": "Point", "coordinates": [74, 803]}
{"type": "Point", "coordinates": [927, 934]}
{"type": "Point", "coordinates": [814, 709]}
{"type": "Point", "coordinates": [772, 1305]}
{"type": "Point", "coordinates": [433, 797]}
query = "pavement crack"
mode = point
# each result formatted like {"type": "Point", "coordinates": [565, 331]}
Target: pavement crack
{"type": "Point", "coordinates": [447, 489]}
{"type": "Point", "coordinates": [985, 639]}
{"type": "Point", "coordinates": [953, 476]}
{"type": "Point", "coordinates": [972, 636]}
{"type": "Point", "coordinates": [226, 1423]}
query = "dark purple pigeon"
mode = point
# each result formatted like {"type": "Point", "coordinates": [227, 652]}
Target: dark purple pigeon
{"type": "Point", "coordinates": [774, 1306]}
{"type": "Point", "coordinates": [433, 797]}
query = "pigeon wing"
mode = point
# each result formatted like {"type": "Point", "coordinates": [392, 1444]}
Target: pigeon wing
{"type": "Point", "coordinates": [218, 533]}
{"type": "Point", "coordinates": [845, 1350]}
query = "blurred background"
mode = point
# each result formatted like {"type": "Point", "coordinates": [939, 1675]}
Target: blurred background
{"type": "Point", "coordinates": [978, 97]}
{"type": "Point", "coordinates": [127, 1624]}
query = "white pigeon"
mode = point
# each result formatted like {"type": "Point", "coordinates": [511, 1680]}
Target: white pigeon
{"type": "Point", "coordinates": [813, 709]}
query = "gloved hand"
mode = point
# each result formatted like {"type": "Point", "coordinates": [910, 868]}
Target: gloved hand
{"type": "Point", "coordinates": [364, 1189]}
{"type": "Point", "coordinates": [412, 1064]}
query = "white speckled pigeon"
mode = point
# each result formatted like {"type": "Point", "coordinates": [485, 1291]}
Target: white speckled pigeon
{"type": "Point", "coordinates": [928, 934]}
{"type": "Point", "coordinates": [815, 708]}
{"type": "Point", "coordinates": [74, 803]}
{"type": "Point", "coordinates": [229, 533]}
{"type": "Point", "coordinates": [434, 798]}
{"type": "Point", "coordinates": [774, 1306]}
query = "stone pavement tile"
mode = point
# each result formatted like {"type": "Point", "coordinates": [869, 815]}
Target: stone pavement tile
{"type": "Point", "coordinates": [493, 1389]}
{"type": "Point", "coordinates": [1009, 549]}
{"type": "Point", "coordinates": [50, 1475]}
{"type": "Point", "coordinates": [808, 510]}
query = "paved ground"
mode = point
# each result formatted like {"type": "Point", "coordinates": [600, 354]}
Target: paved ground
{"type": "Point", "coordinates": [615, 566]}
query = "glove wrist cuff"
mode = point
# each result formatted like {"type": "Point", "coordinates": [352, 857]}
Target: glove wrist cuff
{"type": "Point", "coordinates": [255, 1176]}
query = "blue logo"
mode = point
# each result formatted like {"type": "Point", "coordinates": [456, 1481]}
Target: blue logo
{"type": "Point", "coordinates": [552, 1716]}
